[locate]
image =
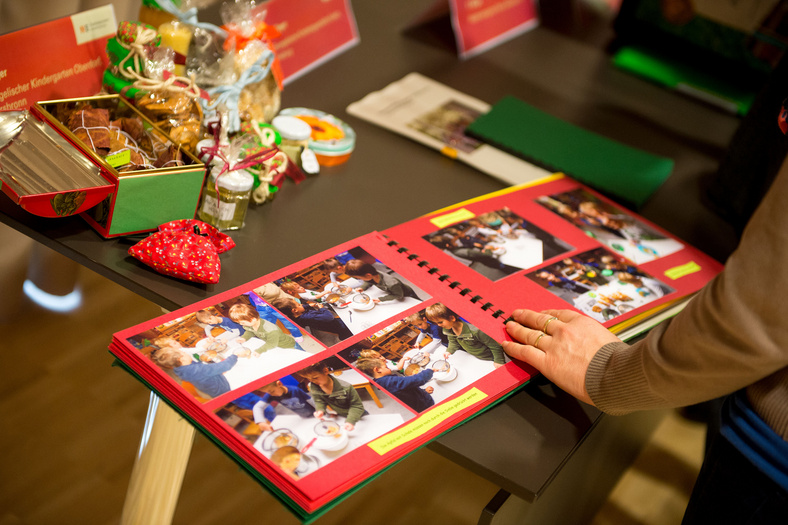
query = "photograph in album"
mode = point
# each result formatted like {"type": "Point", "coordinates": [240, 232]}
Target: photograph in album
{"type": "Point", "coordinates": [343, 295]}
{"type": "Point", "coordinates": [305, 420]}
{"type": "Point", "coordinates": [497, 243]}
{"type": "Point", "coordinates": [600, 284]}
{"type": "Point", "coordinates": [419, 364]}
{"type": "Point", "coordinates": [225, 346]}
{"type": "Point", "coordinates": [611, 226]}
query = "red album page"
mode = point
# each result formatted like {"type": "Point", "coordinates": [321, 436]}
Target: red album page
{"type": "Point", "coordinates": [555, 243]}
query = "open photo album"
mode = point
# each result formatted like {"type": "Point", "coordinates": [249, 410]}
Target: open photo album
{"type": "Point", "coordinates": [319, 376]}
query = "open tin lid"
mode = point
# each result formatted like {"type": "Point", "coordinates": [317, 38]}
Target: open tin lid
{"type": "Point", "coordinates": [43, 172]}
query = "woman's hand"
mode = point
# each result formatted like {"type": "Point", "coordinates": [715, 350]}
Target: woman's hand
{"type": "Point", "coordinates": [559, 343]}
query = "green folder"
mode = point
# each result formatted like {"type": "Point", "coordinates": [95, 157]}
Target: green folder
{"type": "Point", "coordinates": [623, 172]}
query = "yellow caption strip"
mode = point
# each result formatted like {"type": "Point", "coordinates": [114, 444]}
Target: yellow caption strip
{"type": "Point", "coordinates": [453, 217]}
{"type": "Point", "coordinates": [684, 269]}
{"type": "Point", "coordinates": [427, 422]}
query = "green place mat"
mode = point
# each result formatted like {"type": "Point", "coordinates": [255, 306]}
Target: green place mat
{"type": "Point", "coordinates": [542, 139]}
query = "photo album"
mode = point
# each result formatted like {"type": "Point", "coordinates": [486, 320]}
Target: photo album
{"type": "Point", "coordinates": [319, 376]}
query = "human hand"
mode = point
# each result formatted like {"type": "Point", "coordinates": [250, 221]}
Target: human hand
{"type": "Point", "coordinates": [319, 414]}
{"type": "Point", "coordinates": [349, 426]}
{"type": "Point", "coordinates": [265, 426]}
{"type": "Point", "coordinates": [429, 389]}
{"type": "Point", "coordinates": [243, 352]}
{"type": "Point", "coordinates": [564, 351]}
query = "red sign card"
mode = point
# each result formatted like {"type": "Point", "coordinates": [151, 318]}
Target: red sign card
{"type": "Point", "coordinates": [313, 31]}
{"type": "Point", "coordinates": [482, 24]}
{"type": "Point", "coordinates": [64, 58]}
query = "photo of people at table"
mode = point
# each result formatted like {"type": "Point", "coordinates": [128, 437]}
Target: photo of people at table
{"type": "Point", "coordinates": [225, 346]}
{"type": "Point", "coordinates": [427, 356]}
{"type": "Point", "coordinates": [611, 226]}
{"type": "Point", "coordinates": [447, 124]}
{"type": "Point", "coordinates": [307, 419]}
{"type": "Point", "coordinates": [497, 243]}
{"type": "Point", "coordinates": [600, 284]}
{"type": "Point", "coordinates": [342, 295]}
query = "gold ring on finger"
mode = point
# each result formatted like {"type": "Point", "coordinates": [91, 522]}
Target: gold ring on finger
{"type": "Point", "coordinates": [544, 328]}
{"type": "Point", "coordinates": [536, 343]}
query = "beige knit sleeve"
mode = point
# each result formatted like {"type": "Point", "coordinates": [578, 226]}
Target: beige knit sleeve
{"type": "Point", "coordinates": [732, 334]}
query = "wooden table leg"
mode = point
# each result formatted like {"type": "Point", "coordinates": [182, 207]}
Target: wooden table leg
{"type": "Point", "coordinates": [372, 394]}
{"type": "Point", "coordinates": [158, 473]}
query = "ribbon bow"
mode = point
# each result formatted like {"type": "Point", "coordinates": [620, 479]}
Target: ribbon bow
{"type": "Point", "coordinates": [145, 37]}
{"type": "Point", "coordinates": [229, 94]}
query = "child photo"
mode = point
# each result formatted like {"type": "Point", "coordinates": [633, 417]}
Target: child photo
{"type": "Point", "coordinates": [611, 226]}
{"type": "Point", "coordinates": [447, 124]}
{"type": "Point", "coordinates": [426, 357]}
{"type": "Point", "coordinates": [497, 243]}
{"type": "Point", "coordinates": [600, 284]}
{"type": "Point", "coordinates": [225, 346]}
{"type": "Point", "coordinates": [307, 419]}
{"type": "Point", "coordinates": [344, 295]}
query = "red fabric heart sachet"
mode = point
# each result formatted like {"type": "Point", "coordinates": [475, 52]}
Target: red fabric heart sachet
{"type": "Point", "coordinates": [187, 249]}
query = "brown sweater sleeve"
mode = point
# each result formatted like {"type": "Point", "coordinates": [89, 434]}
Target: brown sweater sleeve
{"type": "Point", "coordinates": [734, 333]}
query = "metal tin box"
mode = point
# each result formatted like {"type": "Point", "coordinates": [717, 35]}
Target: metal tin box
{"type": "Point", "coordinates": [142, 199]}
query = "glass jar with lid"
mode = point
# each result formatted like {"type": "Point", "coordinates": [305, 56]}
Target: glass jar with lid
{"type": "Point", "coordinates": [295, 135]}
{"type": "Point", "coordinates": [227, 210]}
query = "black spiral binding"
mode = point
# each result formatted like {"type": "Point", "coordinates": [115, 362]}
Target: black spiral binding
{"type": "Point", "coordinates": [432, 270]}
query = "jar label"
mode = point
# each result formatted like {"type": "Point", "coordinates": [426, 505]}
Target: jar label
{"type": "Point", "coordinates": [223, 211]}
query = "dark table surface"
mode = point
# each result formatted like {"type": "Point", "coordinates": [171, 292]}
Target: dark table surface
{"type": "Point", "coordinates": [398, 179]}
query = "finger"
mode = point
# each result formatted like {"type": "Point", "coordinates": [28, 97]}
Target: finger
{"type": "Point", "coordinates": [562, 315]}
{"type": "Point", "coordinates": [527, 317]}
{"type": "Point", "coordinates": [520, 332]}
{"type": "Point", "coordinates": [526, 337]}
{"type": "Point", "coordinates": [526, 353]}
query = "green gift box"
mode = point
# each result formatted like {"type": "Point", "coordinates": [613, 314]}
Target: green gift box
{"type": "Point", "coordinates": [141, 199]}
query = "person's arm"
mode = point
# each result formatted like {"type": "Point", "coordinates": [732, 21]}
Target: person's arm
{"type": "Point", "coordinates": [319, 398]}
{"type": "Point", "coordinates": [454, 345]}
{"type": "Point", "coordinates": [495, 348]}
{"type": "Point", "coordinates": [356, 407]}
{"type": "Point", "coordinates": [222, 366]}
{"type": "Point", "coordinates": [416, 380]}
{"type": "Point", "coordinates": [263, 414]}
{"type": "Point", "coordinates": [730, 335]}
{"type": "Point", "coordinates": [395, 290]}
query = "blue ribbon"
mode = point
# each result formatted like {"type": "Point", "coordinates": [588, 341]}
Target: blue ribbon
{"type": "Point", "coordinates": [229, 94]}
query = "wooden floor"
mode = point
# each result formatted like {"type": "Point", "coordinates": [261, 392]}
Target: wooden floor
{"type": "Point", "coordinates": [71, 426]}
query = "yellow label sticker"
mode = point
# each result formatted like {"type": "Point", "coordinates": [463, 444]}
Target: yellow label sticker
{"type": "Point", "coordinates": [453, 217]}
{"type": "Point", "coordinates": [119, 159]}
{"type": "Point", "coordinates": [449, 152]}
{"type": "Point", "coordinates": [426, 422]}
{"type": "Point", "coordinates": [685, 269]}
